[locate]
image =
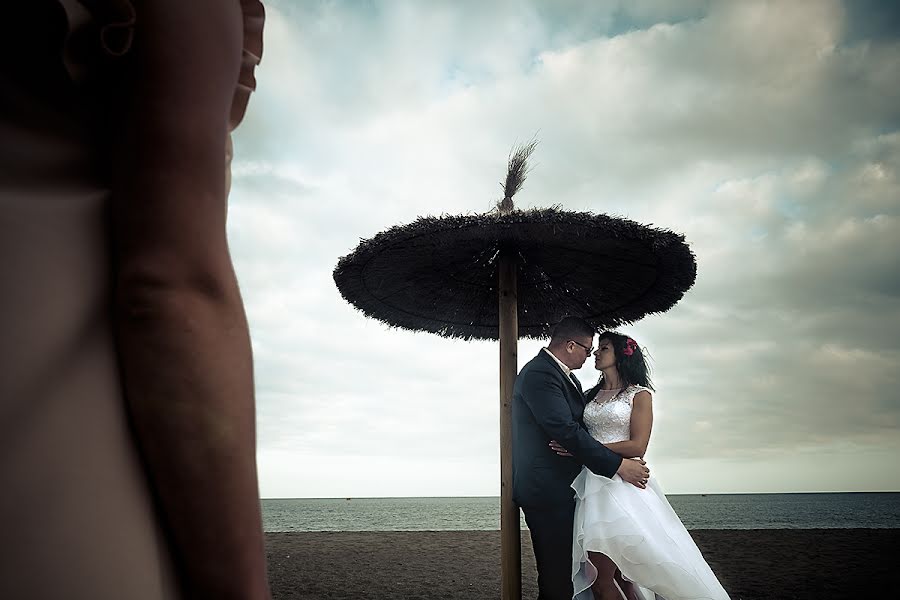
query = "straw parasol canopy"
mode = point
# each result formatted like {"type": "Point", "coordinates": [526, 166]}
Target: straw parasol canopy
{"type": "Point", "coordinates": [511, 273]}
{"type": "Point", "coordinates": [439, 274]}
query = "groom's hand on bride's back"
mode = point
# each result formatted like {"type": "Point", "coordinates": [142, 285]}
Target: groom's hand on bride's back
{"type": "Point", "coordinates": [634, 471]}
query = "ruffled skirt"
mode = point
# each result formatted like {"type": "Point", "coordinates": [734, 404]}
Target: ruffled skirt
{"type": "Point", "coordinates": [641, 533]}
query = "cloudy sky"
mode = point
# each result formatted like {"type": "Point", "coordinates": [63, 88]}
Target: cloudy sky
{"type": "Point", "coordinates": [767, 132]}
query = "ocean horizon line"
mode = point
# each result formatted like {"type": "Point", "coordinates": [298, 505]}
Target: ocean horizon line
{"type": "Point", "coordinates": [798, 510]}
{"type": "Point", "coordinates": [496, 496]}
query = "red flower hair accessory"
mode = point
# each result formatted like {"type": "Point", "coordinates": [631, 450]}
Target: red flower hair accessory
{"type": "Point", "coordinates": [630, 347]}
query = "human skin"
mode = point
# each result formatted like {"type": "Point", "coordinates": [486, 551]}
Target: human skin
{"type": "Point", "coordinates": [641, 411]}
{"type": "Point", "coordinates": [573, 354]}
{"type": "Point", "coordinates": [641, 424]}
{"type": "Point", "coordinates": [181, 331]}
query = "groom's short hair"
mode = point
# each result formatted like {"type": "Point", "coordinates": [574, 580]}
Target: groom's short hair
{"type": "Point", "coordinates": [569, 328]}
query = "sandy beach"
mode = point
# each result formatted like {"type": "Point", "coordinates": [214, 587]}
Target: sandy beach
{"type": "Point", "coordinates": [752, 565]}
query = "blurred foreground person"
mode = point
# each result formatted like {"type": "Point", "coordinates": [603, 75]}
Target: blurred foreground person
{"type": "Point", "coordinates": [127, 442]}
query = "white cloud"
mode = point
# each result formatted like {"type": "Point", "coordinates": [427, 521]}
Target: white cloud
{"type": "Point", "coordinates": [754, 128]}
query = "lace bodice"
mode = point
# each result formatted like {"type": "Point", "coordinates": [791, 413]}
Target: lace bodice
{"type": "Point", "coordinates": [608, 420]}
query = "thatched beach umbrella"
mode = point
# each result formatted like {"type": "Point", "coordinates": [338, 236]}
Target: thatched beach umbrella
{"type": "Point", "coordinates": [509, 273]}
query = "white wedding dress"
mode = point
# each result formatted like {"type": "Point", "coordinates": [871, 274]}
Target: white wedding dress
{"type": "Point", "coordinates": [636, 528]}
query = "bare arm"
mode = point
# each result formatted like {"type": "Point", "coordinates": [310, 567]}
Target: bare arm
{"type": "Point", "coordinates": [181, 331]}
{"type": "Point", "coordinates": [633, 470]}
{"type": "Point", "coordinates": [641, 424]}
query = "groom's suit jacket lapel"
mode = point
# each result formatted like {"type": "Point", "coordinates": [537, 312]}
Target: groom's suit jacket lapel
{"type": "Point", "coordinates": [572, 390]}
{"type": "Point", "coordinates": [578, 385]}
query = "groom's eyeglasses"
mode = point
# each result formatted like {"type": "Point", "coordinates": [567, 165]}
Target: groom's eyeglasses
{"type": "Point", "coordinates": [589, 350]}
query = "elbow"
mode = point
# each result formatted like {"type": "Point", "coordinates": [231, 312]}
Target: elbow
{"type": "Point", "coordinates": [640, 449]}
{"type": "Point", "coordinates": [152, 292]}
{"type": "Point", "coordinates": [632, 449]}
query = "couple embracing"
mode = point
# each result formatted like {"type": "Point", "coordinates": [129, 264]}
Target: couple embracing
{"type": "Point", "coordinates": [600, 527]}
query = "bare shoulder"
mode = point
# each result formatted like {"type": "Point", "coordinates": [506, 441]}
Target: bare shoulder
{"type": "Point", "coordinates": [643, 397]}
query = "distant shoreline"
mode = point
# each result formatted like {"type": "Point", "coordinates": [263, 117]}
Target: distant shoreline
{"type": "Point", "coordinates": [498, 497]}
{"type": "Point", "coordinates": [838, 510]}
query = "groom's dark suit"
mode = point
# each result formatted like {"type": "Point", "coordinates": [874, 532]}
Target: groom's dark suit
{"type": "Point", "coordinates": [547, 405]}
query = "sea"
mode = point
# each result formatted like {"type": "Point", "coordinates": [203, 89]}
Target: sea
{"type": "Point", "coordinates": [878, 510]}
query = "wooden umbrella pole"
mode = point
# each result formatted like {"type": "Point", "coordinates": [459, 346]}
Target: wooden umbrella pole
{"type": "Point", "coordinates": [510, 535]}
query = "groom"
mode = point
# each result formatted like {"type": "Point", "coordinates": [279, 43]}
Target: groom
{"type": "Point", "coordinates": [548, 405]}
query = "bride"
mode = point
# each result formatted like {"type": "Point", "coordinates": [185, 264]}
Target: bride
{"type": "Point", "coordinates": [627, 538]}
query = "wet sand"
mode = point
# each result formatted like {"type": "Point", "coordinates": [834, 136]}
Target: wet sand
{"type": "Point", "coordinates": [760, 564]}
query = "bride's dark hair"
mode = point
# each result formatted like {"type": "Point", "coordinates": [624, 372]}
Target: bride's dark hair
{"type": "Point", "coordinates": [633, 367]}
